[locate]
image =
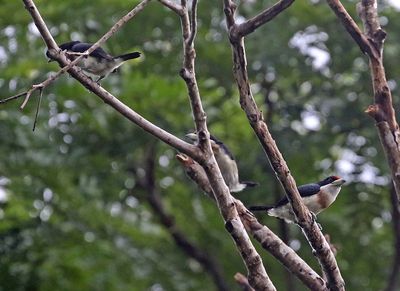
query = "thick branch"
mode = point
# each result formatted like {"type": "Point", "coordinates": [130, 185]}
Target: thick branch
{"type": "Point", "coordinates": [257, 274]}
{"type": "Point", "coordinates": [274, 245]}
{"type": "Point", "coordinates": [108, 97]}
{"type": "Point", "coordinates": [352, 28]}
{"type": "Point", "coordinates": [310, 229]}
{"type": "Point", "coordinates": [269, 241]}
{"type": "Point", "coordinates": [267, 15]}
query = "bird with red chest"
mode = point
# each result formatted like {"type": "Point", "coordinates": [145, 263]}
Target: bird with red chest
{"type": "Point", "coordinates": [316, 196]}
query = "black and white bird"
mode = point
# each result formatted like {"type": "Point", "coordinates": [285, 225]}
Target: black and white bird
{"type": "Point", "coordinates": [98, 62]}
{"type": "Point", "coordinates": [227, 164]}
{"type": "Point", "coordinates": [316, 196]}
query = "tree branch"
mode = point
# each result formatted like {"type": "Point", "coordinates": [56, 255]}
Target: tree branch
{"type": "Point", "coordinates": [313, 234]}
{"type": "Point", "coordinates": [257, 274]}
{"type": "Point", "coordinates": [268, 240]}
{"type": "Point", "coordinates": [52, 45]}
{"type": "Point", "coordinates": [352, 28]}
{"type": "Point", "coordinates": [267, 15]}
{"type": "Point", "coordinates": [109, 98]}
{"type": "Point", "coordinates": [382, 110]}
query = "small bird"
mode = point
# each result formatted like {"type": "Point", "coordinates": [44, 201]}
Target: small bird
{"type": "Point", "coordinates": [316, 196]}
{"type": "Point", "coordinates": [226, 163]}
{"type": "Point", "coordinates": [99, 62]}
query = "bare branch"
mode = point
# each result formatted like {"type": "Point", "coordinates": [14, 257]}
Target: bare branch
{"type": "Point", "coordinates": [286, 255]}
{"type": "Point", "coordinates": [352, 28]}
{"type": "Point", "coordinates": [382, 110]}
{"type": "Point", "coordinates": [268, 240]}
{"type": "Point", "coordinates": [257, 274]}
{"type": "Point", "coordinates": [5, 100]}
{"type": "Point", "coordinates": [51, 44]}
{"type": "Point", "coordinates": [313, 234]}
{"type": "Point", "coordinates": [267, 15]}
{"type": "Point", "coordinates": [37, 109]}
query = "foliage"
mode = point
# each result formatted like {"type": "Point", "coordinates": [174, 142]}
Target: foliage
{"type": "Point", "coordinates": [74, 215]}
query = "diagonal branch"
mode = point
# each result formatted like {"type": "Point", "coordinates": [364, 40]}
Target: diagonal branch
{"type": "Point", "coordinates": [257, 274]}
{"type": "Point", "coordinates": [52, 45]}
{"type": "Point", "coordinates": [352, 28]}
{"type": "Point", "coordinates": [267, 15]}
{"type": "Point", "coordinates": [310, 229]}
{"type": "Point", "coordinates": [108, 98]}
{"type": "Point", "coordinates": [268, 240]}
{"type": "Point", "coordinates": [382, 110]}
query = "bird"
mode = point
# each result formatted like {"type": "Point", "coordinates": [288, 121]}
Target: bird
{"type": "Point", "coordinates": [316, 196]}
{"type": "Point", "coordinates": [99, 62]}
{"type": "Point", "coordinates": [226, 163]}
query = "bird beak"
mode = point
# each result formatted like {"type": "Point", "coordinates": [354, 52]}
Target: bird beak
{"type": "Point", "coordinates": [192, 137]}
{"type": "Point", "coordinates": [339, 182]}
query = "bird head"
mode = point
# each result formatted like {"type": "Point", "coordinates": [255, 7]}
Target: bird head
{"type": "Point", "coordinates": [333, 180]}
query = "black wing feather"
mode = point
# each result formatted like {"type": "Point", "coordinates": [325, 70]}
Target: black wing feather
{"type": "Point", "coordinates": [223, 146]}
{"type": "Point", "coordinates": [304, 190]}
{"type": "Point", "coordinates": [99, 53]}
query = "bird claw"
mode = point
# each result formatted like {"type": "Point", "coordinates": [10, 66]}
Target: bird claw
{"type": "Point", "coordinates": [314, 218]}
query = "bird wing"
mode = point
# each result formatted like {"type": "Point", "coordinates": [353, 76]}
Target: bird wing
{"type": "Point", "coordinates": [308, 189]}
{"type": "Point", "coordinates": [97, 53]}
{"type": "Point", "coordinates": [223, 146]}
{"type": "Point", "coordinates": [304, 190]}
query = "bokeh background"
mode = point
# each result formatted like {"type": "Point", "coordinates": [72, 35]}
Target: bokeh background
{"type": "Point", "coordinates": [74, 209]}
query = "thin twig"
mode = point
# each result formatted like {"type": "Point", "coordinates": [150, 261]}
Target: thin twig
{"type": "Point", "coordinates": [5, 100]}
{"type": "Point", "coordinates": [29, 93]}
{"type": "Point", "coordinates": [51, 44]}
{"type": "Point", "coordinates": [37, 108]}
{"type": "Point", "coordinates": [108, 98]}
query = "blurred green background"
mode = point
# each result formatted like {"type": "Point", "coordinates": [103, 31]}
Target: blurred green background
{"type": "Point", "coordinates": [74, 212]}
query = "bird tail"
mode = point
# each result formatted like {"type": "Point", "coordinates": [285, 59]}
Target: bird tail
{"type": "Point", "coordinates": [259, 208]}
{"type": "Point", "coordinates": [249, 184]}
{"type": "Point", "coordinates": [129, 56]}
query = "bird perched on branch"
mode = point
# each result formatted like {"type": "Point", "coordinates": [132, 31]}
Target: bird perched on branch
{"type": "Point", "coordinates": [226, 163]}
{"type": "Point", "coordinates": [98, 62]}
{"type": "Point", "coordinates": [316, 196]}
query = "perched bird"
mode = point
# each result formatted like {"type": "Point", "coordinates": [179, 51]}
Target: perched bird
{"type": "Point", "coordinates": [226, 163]}
{"type": "Point", "coordinates": [99, 62]}
{"type": "Point", "coordinates": [316, 196]}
